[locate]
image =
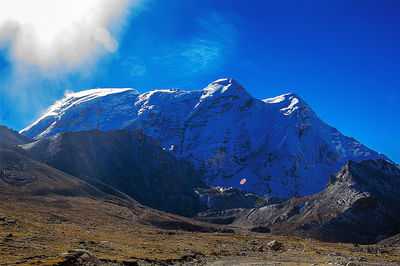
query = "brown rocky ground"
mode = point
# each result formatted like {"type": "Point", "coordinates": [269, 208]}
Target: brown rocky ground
{"type": "Point", "coordinates": [94, 233]}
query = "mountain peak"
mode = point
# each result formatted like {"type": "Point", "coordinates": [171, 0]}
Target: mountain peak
{"type": "Point", "coordinates": [224, 86]}
{"type": "Point", "coordinates": [225, 82]}
{"type": "Point", "coordinates": [288, 102]}
{"type": "Point", "coordinates": [282, 98]}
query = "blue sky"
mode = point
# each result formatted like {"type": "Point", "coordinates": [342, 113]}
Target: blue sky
{"type": "Point", "coordinates": [341, 57]}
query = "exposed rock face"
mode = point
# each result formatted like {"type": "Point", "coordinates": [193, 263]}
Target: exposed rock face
{"type": "Point", "coordinates": [127, 160]}
{"type": "Point", "coordinates": [279, 145]}
{"type": "Point", "coordinates": [359, 204]}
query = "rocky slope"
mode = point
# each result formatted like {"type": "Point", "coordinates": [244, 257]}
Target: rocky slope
{"type": "Point", "coordinates": [359, 204]}
{"type": "Point", "coordinates": [279, 145]}
{"type": "Point", "coordinates": [393, 241]}
{"type": "Point", "coordinates": [127, 160]}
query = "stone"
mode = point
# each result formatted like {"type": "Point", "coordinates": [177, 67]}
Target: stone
{"type": "Point", "coordinates": [275, 245]}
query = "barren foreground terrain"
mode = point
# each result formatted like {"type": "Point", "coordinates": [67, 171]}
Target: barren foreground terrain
{"type": "Point", "coordinates": [31, 234]}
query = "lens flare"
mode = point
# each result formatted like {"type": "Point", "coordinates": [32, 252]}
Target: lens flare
{"type": "Point", "coordinates": [54, 33]}
{"type": "Point", "coordinates": [243, 181]}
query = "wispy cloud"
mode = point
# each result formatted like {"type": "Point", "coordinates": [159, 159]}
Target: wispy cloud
{"type": "Point", "coordinates": [201, 54]}
{"type": "Point", "coordinates": [134, 69]}
{"type": "Point", "coordinates": [213, 40]}
{"type": "Point", "coordinates": [217, 40]}
{"type": "Point", "coordinates": [61, 34]}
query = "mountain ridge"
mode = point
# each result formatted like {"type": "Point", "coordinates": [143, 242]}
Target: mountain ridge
{"type": "Point", "coordinates": [11, 137]}
{"type": "Point", "coordinates": [279, 145]}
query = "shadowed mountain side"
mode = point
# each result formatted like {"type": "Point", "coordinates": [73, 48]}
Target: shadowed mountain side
{"type": "Point", "coordinates": [10, 137]}
{"type": "Point", "coordinates": [130, 161]}
{"type": "Point", "coordinates": [41, 189]}
{"type": "Point", "coordinates": [20, 176]}
{"type": "Point", "coordinates": [359, 204]}
{"type": "Point", "coordinates": [18, 170]}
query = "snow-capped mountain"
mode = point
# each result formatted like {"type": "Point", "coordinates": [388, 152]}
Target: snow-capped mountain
{"type": "Point", "coordinates": [279, 145]}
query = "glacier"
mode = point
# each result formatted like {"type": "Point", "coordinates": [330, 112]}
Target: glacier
{"type": "Point", "coordinates": [279, 145]}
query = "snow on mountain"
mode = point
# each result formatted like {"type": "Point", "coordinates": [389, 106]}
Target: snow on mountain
{"type": "Point", "coordinates": [77, 102]}
{"type": "Point", "coordinates": [279, 145]}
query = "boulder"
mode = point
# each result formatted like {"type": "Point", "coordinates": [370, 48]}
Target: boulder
{"type": "Point", "coordinates": [275, 245]}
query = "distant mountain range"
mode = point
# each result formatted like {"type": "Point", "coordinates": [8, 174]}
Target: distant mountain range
{"type": "Point", "coordinates": [278, 146]}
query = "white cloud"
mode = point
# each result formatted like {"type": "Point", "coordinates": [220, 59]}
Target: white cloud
{"type": "Point", "coordinates": [61, 33]}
